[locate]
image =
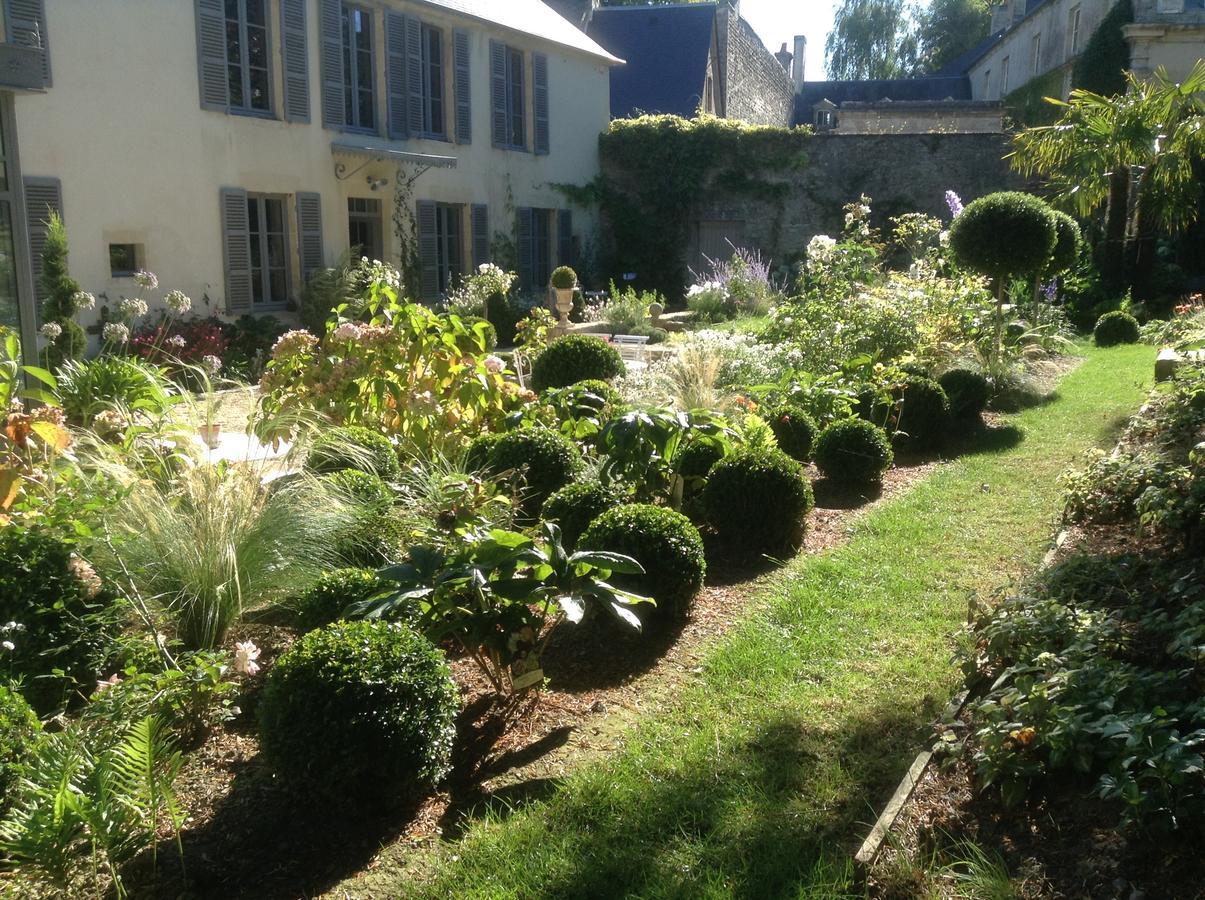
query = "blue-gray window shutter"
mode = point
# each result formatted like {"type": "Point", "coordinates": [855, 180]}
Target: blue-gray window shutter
{"type": "Point", "coordinates": [309, 234]}
{"type": "Point", "coordinates": [395, 75]}
{"type": "Point", "coordinates": [43, 196]}
{"type": "Point", "coordinates": [414, 76]}
{"type": "Point", "coordinates": [428, 251]}
{"type": "Point", "coordinates": [539, 67]}
{"type": "Point", "coordinates": [498, 115]}
{"type": "Point", "coordinates": [27, 28]}
{"type": "Point", "coordinates": [236, 249]}
{"type": "Point", "coordinates": [481, 234]}
{"type": "Point", "coordinates": [294, 51]}
{"type": "Point", "coordinates": [527, 249]}
{"type": "Point", "coordinates": [211, 55]}
{"type": "Point", "coordinates": [331, 24]}
{"type": "Point", "coordinates": [564, 237]}
{"type": "Point", "coordinates": [464, 104]}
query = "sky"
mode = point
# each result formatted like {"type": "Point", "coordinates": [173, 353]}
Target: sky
{"type": "Point", "coordinates": [780, 20]}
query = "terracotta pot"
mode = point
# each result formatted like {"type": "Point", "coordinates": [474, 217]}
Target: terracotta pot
{"type": "Point", "coordinates": [210, 434]}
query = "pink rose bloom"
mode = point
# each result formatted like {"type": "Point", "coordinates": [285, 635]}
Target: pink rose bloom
{"type": "Point", "coordinates": [245, 656]}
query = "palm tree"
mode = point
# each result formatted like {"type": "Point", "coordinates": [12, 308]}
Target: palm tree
{"type": "Point", "coordinates": [1132, 154]}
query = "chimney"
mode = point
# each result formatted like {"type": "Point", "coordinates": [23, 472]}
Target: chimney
{"type": "Point", "coordinates": [798, 68]}
{"type": "Point", "coordinates": [784, 56]}
{"type": "Point", "coordinates": [1002, 17]}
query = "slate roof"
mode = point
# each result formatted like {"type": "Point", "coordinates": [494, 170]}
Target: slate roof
{"type": "Point", "coordinates": [930, 89]}
{"type": "Point", "coordinates": [529, 17]}
{"type": "Point", "coordinates": [666, 48]}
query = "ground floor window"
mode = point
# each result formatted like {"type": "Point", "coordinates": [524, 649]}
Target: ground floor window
{"type": "Point", "coordinates": [541, 235]}
{"type": "Point", "coordinates": [364, 230]}
{"type": "Point", "coordinates": [10, 306]}
{"type": "Point", "coordinates": [268, 229]}
{"type": "Point", "coordinates": [449, 237]}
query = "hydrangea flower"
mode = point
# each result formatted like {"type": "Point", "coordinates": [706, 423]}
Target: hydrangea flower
{"type": "Point", "coordinates": [145, 279]}
{"type": "Point", "coordinates": [245, 656]}
{"type": "Point", "coordinates": [52, 331]}
{"type": "Point", "coordinates": [347, 332]}
{"type": "Point", "coordinates": [132, 307]}
{"type": "Point", "coordinates": [177, 302]}
{"type": "Point", "coordinates": [115, 333]}
{"type": "Point", "coordinates": [494, 365]}
{"type": "Point", "coordinates": [821, 248]}
{"type": "Point", "coordinates": [82, 300]}
{"type": "Point", "coordinates": [177, 341]}
{"type": "Point", "coordinates": [294, 343]}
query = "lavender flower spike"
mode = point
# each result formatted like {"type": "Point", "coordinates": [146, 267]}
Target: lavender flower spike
{"type": "Point", "coordinates": [955, 203]}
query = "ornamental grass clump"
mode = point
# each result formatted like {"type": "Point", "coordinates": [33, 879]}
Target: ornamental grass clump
{"type": "Point", "coordinates": [854, 452]}
{"type": "Point", "coordinates": [1115, 328]}
{"type": "Point", "coordinates": [354, 447]}
{"type": "Point", "coordinates": [757, 500]}
{"type": "Point", "coordinates": [575, 358]}
{"type": "Point", "coordinates": [359, 711]}
{"type": "Point", "coordinates": [667, 546]}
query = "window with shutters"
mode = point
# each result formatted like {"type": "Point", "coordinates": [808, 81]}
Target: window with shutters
{"type": "Point", "coordinates": [516, 99]}
{"type": "Point", "coordinates": [364, 235]}
{"type": "Point", "coordinates": [359, 82]}
{"type": "Point", "coordinates": [268, 229]}
{"type": "Point", "coordinates": [541, 250]}
{"type": "Point", "coordinates": [247, 56]}
{"type": "Point", "coordinates": [449, 238]}
{"type": "Point", "coordinates": [434, 121]}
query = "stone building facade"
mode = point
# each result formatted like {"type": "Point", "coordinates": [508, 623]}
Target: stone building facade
{"type": "Point", "coordinates": [757, 87]}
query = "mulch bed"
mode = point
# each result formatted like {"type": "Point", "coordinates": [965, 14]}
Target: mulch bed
{"type": "Point", "coordinates": [246, 838]}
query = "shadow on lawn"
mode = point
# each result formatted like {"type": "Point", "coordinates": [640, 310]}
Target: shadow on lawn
{"type": "Point", "coordinates": [775, 814]}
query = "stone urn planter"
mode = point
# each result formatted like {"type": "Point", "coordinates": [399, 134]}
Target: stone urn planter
{"type": "Point", "coordinates": [564, 286]}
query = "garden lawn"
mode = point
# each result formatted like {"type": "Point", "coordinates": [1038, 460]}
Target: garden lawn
{"type": "Point", "coordinates": [761, 778]}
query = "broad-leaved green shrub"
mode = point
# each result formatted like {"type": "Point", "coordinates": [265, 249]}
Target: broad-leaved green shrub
{"type": "Point", "coordinates": [795, 432]}
{"type": "Point", "coordinates": [358, 711]}
{"type": "Point", "coordinates": [854, 452]}
{"type": "Point", "coordinates": [664, 542]}
{"type": "Point", "coordinates": [575, 358]}
{"type": "Point", "coordinates": [573, 508]}
{"type": "Point", "coordinates": [1117, 327]}
{"type": "Point", "coordinates": [757, 500]}
{"type": "Point", "coordinates": [19, 734]}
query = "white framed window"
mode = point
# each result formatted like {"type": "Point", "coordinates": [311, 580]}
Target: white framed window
{"type": "Point", "coordinates": [1073, 28]}
{"type": "Point", "coordinates": [1004, 76]}
{"type": "Point", "coordinates": [1036, 65]}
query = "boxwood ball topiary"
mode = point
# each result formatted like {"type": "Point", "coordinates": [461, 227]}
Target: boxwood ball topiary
{"type": "Point", "coordinates": [354, 447]}
{"type": "Point", "coordinates": [577, 357]}
{"type": "Point", "coordinates": [924, 417]}
{"type": "Point", "coordinates": [665, 543]}
{"type": "Point", "coordinates": [574, 507]}
{"type": "Point", "coordinates": [359, 711]}
{"type": "Point", "coordinates": [20, 732]}
{"type": "Point", "coordinates": [854, 452]}
{"type": "Point", "coordinates": [477, 458]}
{"type": "Point", "coordinates": [333, 593]}
{"type": "Point", "coordinates": [361, 487]}
{"type": "Point", "coordinates": [1115, 328]}
{"type": "Point", "coordinates": [1066, 245]}
{"type": "Point", "coordinates": [757, 500]}
{"type": "Point", "coordinates": [1004, 234]}
{"type": "Point", "coordinates": [696, 459]}
{"type": "Point", "coordinates": [543, 461]}
{"type": "Point", "coordinates": [795, 432]}
{"type": "Point", "coordinates": [968, 391]}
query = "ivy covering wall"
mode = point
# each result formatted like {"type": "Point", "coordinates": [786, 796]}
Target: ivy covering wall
{"type": "Point", "coordinates": [656, 170]}
{"type": "Point", "coordinates": [1101, 67]}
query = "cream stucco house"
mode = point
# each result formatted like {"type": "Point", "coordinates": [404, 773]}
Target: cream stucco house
{"type": "Point", "coordinates": [234, 146]}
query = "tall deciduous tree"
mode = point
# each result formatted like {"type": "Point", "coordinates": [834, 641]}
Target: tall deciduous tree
{"type": "Point", "coordinates": [870, 39]}
{"type": "Point", "coordinates": [946, 29]}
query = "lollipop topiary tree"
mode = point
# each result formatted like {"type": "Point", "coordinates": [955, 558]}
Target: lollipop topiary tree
{"type": "Point", "coordinates": [1005, 235]}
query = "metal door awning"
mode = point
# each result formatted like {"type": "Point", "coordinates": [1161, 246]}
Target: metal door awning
{"type": "Point", "coordinates": [372, 151]}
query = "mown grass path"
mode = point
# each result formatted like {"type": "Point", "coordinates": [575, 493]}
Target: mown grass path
{"type": "Point", "coordinates": [759, 779]}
